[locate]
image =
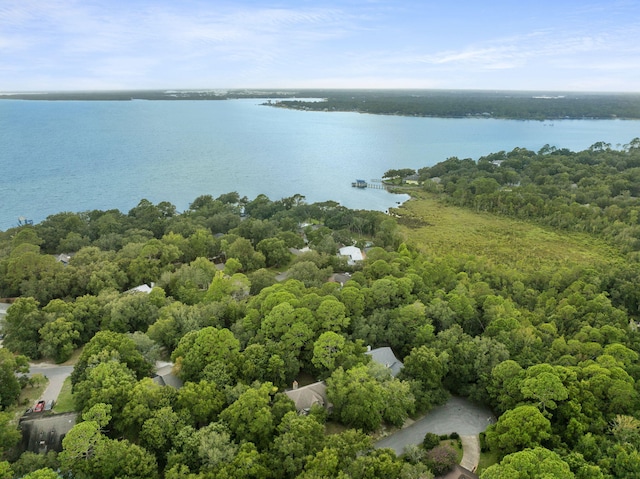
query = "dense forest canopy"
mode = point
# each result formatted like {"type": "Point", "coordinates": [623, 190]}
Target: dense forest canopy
{"type": "Point", "coordinates": [477, 104]}
{"type": "Point", "coordinates": [243, 309]}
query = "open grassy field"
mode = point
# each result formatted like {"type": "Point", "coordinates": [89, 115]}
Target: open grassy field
{"type": "Point", "coordinates": [438, 229]}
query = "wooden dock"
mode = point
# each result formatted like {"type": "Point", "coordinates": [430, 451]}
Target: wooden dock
{"type": "Point", "coordinates": [375, 184]}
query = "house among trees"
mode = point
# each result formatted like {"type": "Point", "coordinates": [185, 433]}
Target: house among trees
{"type": "Point", "coordinates": [386, 357]}
{"type": "Point", "coordinates": [352, 254]}
{"type": "Point", "coordinates": [143, 288]}
{"type": "Point", "coordinates": [412, 179]}
{"type": "Point", "coordinates": [63, 258]}
{"type": "Point", "coordinates": [165, 377]}
{"type": "Point", "coordinates": [41, 434]}
{"type": "Point", "coordinates": [307, 396]}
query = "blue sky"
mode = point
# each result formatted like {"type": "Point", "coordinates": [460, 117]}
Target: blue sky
{"type": "Point", "coordinates": [568, 45]}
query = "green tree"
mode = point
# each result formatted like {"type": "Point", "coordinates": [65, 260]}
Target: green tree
{"type": "Point", "coordinates": [247, 464]}
{"type": "Point", "coordinates": [153, 258]}
{"type": "Point", "coordinates": [133, 462]}
{"type": "Point", "coordinates": [326, 350]}
{"type": "Point", "coordinates": [79, 447]}
{"type": "Point", "coordinates": [299, 437]}
{"type": "Point", "coordinates": [518, 428]}
{"type": "Point", "coordinates": [144, 399]}
{"type": "Point", "coordinates": [249, 418]}
{"type": "Point", "coordinates": [399, 402]}
{"type": "Point", "coordinates": [353, 299]}
{"type": "Point", "coordinates": [309, 273]}
{"type": "Point", "coordinates": [30, 461]}
{"type": "Point", "coordinates": [158, 431]}
{"type": "Point", "coordinates": [130, 312]}
{"type": "Point", "coordinates": [545, 387]}
{"type": "Point", "coordinates": [378, 463]}
{"type": "Point", "coordinates": [358, 399]}
{"type": "Point", "coordinates": [29, 273]}
{"type": "Point", "coordinates": [10, 365]}
{"type": "Point", "coordinates": [9, 433]}
{"type": "Point", "coordinates": [46, 473]}
{"type": "Point", "coordinates": [426, 369]}
{"type": "Point", "coordinates": [200, 403]}
{"type": "Point", "coordinates": [110, 383]}
{"type": "Point", "coordinates": [204, 350]}
{"type": "Point", "coordinates": [215, 446]}
{"type": "Point", "coordinates": [22, 323]}
{"type": "Point", "coordinates": [58, 339]}
{"type": "Point", "coordinates": [530, 464]}
{"type": "Point", "coordinates": [260, 279]}
{"type": "Point", "coordinates": [107, 346]}
{"type": "Point", "coordinates": [332, 315]}
{"type": "Point", "coordinates": [275, 252]}
{"type": "Point", "coordinates": [242, 250]}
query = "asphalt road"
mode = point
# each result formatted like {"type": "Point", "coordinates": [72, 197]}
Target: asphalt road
{"type": "Point", "coordinates": [457, 415]}
{"type": "Point", "coordinates": [56, 376]}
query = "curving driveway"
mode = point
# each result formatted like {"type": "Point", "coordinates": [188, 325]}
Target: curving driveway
{"type": "Point", "coordinates": [457, 415]}
{"type": "Point", "coordinates": [55, 374]}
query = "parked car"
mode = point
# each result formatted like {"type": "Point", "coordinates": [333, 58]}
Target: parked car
{"type": "Point", "coordinates": [39, 406]}
{"type": "Point", "coordinates": [49, 405]}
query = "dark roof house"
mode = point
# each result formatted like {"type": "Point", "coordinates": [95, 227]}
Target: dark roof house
{"type": "Point", "coordinates": [386, 357]}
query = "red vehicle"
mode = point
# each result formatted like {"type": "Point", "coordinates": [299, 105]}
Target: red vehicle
{"type": "Point", "coordinates": [39, 406]}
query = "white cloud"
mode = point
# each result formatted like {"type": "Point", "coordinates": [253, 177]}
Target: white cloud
{"type": "Point", "coordinates": [140, 43]}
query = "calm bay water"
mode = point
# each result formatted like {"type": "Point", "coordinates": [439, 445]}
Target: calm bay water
{"type": "Point", "coordinates": [77, 156]}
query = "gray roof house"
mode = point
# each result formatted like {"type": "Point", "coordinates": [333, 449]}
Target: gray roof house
{"type": "Point", "coordinates": [165, 377]}
{"type": "Point", "coordinates": [306, 396]}
{"type": "Point", "coordinates": [386, 357]}
{"type": "Point", "coordinates": [352, 254]}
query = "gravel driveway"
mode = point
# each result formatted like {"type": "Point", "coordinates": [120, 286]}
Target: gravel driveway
{"type": "Point", "coordinates": [457, 415]}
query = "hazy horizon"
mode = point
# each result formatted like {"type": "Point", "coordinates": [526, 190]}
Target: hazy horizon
{"type": "Point", "coordinates": [273, 90]}
{"type": "Point", "coordinates": [76, 45]}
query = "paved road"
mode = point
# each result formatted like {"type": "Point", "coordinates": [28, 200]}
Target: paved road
{"type": "Point", "coordinates": [56, 376]}
{"type": "Point", "coordinates": [457, 415]}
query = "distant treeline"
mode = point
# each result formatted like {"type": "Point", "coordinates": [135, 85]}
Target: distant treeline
{"type": "Point", "coordinates": [428, 103]}
{"type": "Point", "coordinates": [460, 104]}
{"type": "Point", "coordinates": [128, 95]}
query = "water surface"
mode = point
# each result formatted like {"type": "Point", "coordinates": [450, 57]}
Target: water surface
{"type": "Point", "coordinates": [77, 156]}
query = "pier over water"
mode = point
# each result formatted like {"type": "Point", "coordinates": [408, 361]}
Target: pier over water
{"type": "Point", "coordinates": [375, 184]}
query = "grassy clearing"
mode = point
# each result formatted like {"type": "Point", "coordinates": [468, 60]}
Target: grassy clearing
{"type": "Point", "coordinates": [486, 459]}
{"type": "Point", "coordinates": [65, 402]}
{"type": "Point", "coordinates": [438, 229]}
